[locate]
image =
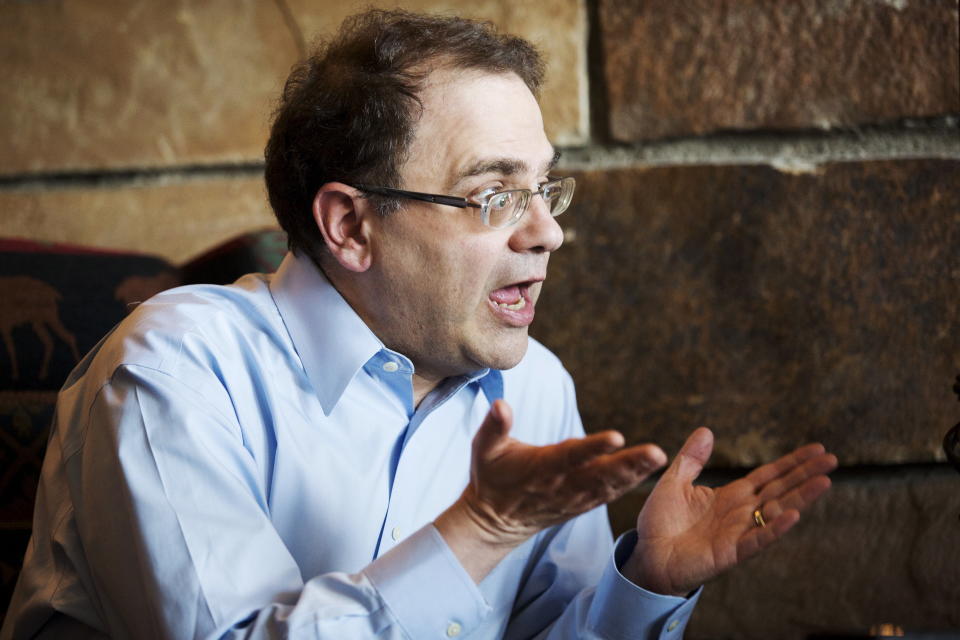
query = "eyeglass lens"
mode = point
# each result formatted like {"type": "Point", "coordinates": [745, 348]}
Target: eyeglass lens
{"type": "Point", "coordinates": [507, 207]}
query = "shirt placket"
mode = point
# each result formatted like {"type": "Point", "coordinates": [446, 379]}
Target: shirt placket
{"type": "Point", "coordinates": [412, 463]}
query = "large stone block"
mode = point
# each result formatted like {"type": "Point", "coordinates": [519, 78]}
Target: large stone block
{"type": "Point", "coordinates": [91, 85]}
{"type": "Point", "coordinates": [686, 68]}
{"type": "Point", "coordinates": [175, 219]}
{"type": "Point", "coordinates": [133, 84]}
{"type": "Point", "coordinates": [777, 308]}
{"type": "Point", "coordinates": [878, 548]}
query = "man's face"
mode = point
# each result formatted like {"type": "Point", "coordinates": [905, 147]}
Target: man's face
{"type": "Point", "coordinates": [449, 292]}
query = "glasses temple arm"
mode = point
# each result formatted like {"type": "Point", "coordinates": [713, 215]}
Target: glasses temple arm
{"type": "Point", "coordinates": [452, 201]}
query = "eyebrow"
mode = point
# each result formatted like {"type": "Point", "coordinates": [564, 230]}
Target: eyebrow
{"type": "Point", "coordinates": [503, 166]}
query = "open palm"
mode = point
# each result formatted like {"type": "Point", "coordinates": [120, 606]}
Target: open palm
{"type": "Point", "coordinates": [688, 534]}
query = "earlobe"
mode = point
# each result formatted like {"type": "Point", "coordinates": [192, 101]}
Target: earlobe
{"type": "Point", "coordinates": [339, 213]}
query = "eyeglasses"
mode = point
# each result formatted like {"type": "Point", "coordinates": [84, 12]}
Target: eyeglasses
{"type": "Point", "coordinates": [498, 209]}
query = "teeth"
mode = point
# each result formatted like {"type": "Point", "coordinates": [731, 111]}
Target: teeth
{"type": "Point", "coordinates": [516, 306]}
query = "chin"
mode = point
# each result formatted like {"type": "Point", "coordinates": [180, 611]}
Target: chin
{"type": "Point", "coordinates": [508, 354]}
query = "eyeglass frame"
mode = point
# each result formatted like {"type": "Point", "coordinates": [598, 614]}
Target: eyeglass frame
{"type": "Point", "coordinates": [463, 203]}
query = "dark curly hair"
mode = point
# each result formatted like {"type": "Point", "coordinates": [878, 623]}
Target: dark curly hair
{"type": "Point", "coordinates": [348, 111]}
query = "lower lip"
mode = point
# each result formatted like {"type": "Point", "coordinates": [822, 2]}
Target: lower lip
{"type": "Point", "coordinates": [516, 317]}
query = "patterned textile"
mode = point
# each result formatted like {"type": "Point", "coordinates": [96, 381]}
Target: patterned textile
{"type": "Point", "coordinates": [57, 301]}
{"type": "Point", "coordinates": [24, 423]}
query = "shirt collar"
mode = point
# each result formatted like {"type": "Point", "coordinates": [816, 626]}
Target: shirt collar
{"type": "Point", "coordinates": [332, 341]}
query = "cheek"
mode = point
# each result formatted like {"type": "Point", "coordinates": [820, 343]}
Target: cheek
{"type": "Point", "coordinates": [470, 266]}
{"type": "Point", "coordinates": [442, 261]}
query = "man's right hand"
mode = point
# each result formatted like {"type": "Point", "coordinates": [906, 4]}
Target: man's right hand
{"type": "Point", "coordinates": [518, 489]}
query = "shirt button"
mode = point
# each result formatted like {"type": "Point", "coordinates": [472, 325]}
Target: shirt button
{"type": "Point", "coordinates": [454, 629]}
{"type": "Point", "coordinates": [390, 367]}
{"type": "Point", "coordinates": [395, 534]}
{"type": "Point", "coordinates": [673, 625]}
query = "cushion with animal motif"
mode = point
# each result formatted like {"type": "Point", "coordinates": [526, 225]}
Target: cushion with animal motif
{"type": "Point", "coordinates": [58, 300]}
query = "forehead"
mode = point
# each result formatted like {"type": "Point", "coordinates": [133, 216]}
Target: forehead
{"type": "Point", "coordinates": [476, 123]}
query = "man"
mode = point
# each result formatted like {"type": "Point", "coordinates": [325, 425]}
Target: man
{"type": "Point", "coordinates": [367, 443]}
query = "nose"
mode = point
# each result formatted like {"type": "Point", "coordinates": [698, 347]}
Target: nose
{"type": "Point", "coordinates": [537, 230]}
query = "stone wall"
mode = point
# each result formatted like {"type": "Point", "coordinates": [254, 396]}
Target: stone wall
{"type": "Point", "coordinates": [765, 239]}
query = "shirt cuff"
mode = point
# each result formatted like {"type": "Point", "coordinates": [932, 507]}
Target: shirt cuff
{"type": "Point", "coordinates": [426, 588]}
{"type": "Point", "coordinates": [622, 610]}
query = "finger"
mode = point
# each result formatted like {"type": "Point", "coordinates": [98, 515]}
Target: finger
{"type": "Point", "coordinates": [817, 466]}
{"type": "Point", "coordinates": [627, 465]}
{"type": "Point", "coordinates": [492, 434]}
{"type": "Point", "coordinates": [644, 458]}
{"type": "Point", "coordinates": [798, 499]}
{"type": "Point", "coordinates": [759, 537]}
{"type": "Point", "coordinates": [608, 477]}
{"type": "Point", "coordinates": [762, 475]}
{"type": "Point", "coordinates": [575, 452]}
{"type": "Point", "coordinates": [692, 456]}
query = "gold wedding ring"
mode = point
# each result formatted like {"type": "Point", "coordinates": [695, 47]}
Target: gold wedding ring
{"type": "Point", "coordinates": [758, 518]}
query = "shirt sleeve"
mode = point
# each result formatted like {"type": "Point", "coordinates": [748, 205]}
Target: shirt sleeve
{"type": "Point", "coordinates": [173, 517]}
{"type": "Point", "coordinates": [554, 604]}
{"type": "Point", "coordinates": [616, 598]}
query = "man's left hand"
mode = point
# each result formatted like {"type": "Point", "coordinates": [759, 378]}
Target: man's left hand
{"type": "Point", "coordinates": [689, 534]}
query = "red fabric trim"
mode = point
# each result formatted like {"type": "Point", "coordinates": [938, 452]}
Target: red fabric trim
{"type": "Point", "coordinates": [22, 245]}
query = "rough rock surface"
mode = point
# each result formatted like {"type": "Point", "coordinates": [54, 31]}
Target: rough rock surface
{"type": "Point", "coordinates": [776, 308]}
{"type": "Point", "coordinates": [878, 548]}
{"type": "Point", "coordinates": [685, 68]}
{"type": "Point", "coordinates": [134, 84]}
{"type": "Point", "coordinates": [175, 219]}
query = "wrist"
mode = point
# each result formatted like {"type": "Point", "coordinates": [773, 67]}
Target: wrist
{"type": "Point", "coordinates": [634, 571]}
{"type": "Point", "coordinates": [477, 542]}
{"type": "Point", "coordinates": [471, 517]}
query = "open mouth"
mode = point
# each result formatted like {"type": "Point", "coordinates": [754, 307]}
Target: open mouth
{"type": "Point", "coordinates": [514, 303]}
{"type": "Point", "coordinates": [513, 297]}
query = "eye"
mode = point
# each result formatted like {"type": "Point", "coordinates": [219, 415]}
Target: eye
{"type": "Point", "coordinates": [502, 200]}
{"type": "Point", "coordinates": [484, 194]}
{"type": "Point", "coordinates": [550, 192]}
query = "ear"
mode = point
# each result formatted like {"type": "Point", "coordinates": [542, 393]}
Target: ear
{"type": "Point", "coordinates": [341, 215]}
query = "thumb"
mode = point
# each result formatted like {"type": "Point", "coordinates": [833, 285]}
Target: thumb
{"type": "Point", "coordinates": [693, 455]}
{"type": "Point", "coordinates": [492, 434]}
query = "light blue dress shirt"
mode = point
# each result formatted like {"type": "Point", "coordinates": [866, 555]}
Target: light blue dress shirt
{"type": "Point", "coordinates": [246, 462]}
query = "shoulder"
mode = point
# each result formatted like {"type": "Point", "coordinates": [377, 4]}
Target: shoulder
{"type": "Point", "coordinates": [188, 327]}
{"type": "Point", "coordinates": [196, 348]}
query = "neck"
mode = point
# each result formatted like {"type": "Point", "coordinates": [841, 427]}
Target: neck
{"type": "Point", "coordinates": [423, 381]}
{"type": "Point", "coordinates": [422, 385]}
